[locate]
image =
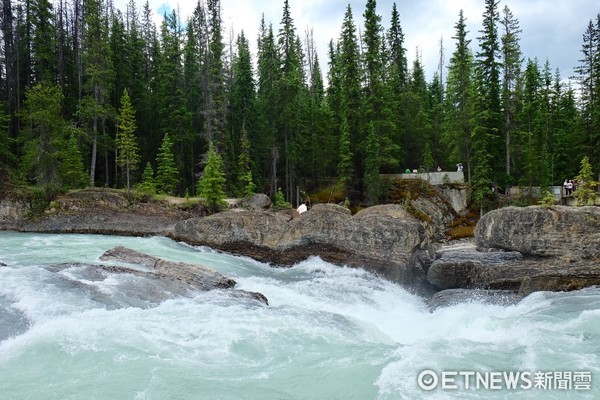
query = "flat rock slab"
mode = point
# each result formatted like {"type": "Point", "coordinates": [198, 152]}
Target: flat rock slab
{"type": "Point", "coordinates": [197, 277]}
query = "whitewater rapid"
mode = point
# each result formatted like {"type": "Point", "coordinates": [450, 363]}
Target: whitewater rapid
{"type": "Point", "coordinates": [329, 332]}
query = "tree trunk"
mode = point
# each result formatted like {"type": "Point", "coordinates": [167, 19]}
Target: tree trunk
{"type": "Point", "coordinates": [94, 154]}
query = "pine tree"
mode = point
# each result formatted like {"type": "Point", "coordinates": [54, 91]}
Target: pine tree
{"type": "Point", "coordinates": [42, 138]}
{"type": "Point", "coordinates": [215, 108]}
{"type": "Point", "coordinates": [460, 100]}
{"type": "Point", "coordinates": [7, 157]}
{"type": "Point", "coordinates": [347, 64]}
{"type": "Point", "coordinates": [127, 146]}
{"type": "Point", "coordinates": [290, 97]}
{"type": "Point", "coordinates": [71, 167]}
{"type": "Point", "coordinates": [267, 103]}
{"type": "Point", "coordinates": [148, 183]}
{"type": "Point", "coordinates": [377, 111]}
{"type": "Point", "coordinates": [486, 137]}
{"type": "Point", "coordinates": [416, 114]}
{"type": "Point", "coordinates": [344, 173]}
{"type": "Point", "coordinates": [511, 65]}
{"type": "Point", "coordinates": [247, 187]}
{"type": "Point", "coordinates": [167, 175]}
{"type": "Point", "coordinates": [529, 141]}
{"type": "Point", "coordinates": [427, 159]}
{"type": "Point", "coordinates": [398, 68]}
{"type": "Point", "coordinates": [242, 110]}
{"type": "Point", "coordinates": [98, 77]}
{"type": "Point", "coordinates": [175, 117]}
{"type": "Point", "coordinates": [192, 89]}
{"type": "Point", "coordinates": [585, 192]}
{"type": "Point", "coordinates": [43, 44]}
{"type": "Point", "coordinates": [372, 179]}
{"type": "Point", "coordinates": [212, 182]}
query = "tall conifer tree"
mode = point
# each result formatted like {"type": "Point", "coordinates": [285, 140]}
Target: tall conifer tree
{"type": "Point", "coordinates": [127, 146]}
{"type": "Point", "coordinates": [486, 135]}
{"type": "Point", "coordinates": [459, 100]}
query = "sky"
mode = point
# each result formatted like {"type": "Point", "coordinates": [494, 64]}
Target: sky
{"type": "Point", "coordinates": [551, 29]}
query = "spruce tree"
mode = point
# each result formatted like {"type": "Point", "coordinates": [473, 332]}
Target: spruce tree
{"type": "Point", "coordinates": [167, 175]}
{"type": "Point", "coordinates": [458, 115]}
{"type": "Point", "coordinates": [148, 183]}
{"type": "Point", "coordinates": [344, 173]}
{"type": "Point", "coordinates": [211, 186]}
{"type": "Point", "coordinates": [43, 137]}
{"type": "Point", "coordinates": [398, 65]}
{"type": "Point", "coordinates": [242, 112]}
{"type": "Point", "coordinates": [511, 66]}
{"type": "Point", "coordinates": [267, 103]}
{"type": "Point", "coordinates": [71, 167]}
{"type": "Point", "coordinates": [7, 157]}
{"type": "Point", "coordinates": [588, 76]}
{"type": "Point", "coordinates": [372, 179]}
{"type": "Point", "coordinates": [427, 159]}
{"type": "Point", "coordinates": [347, 64]}
{"type": "Point", "coordinates": [530, 142]}
{"type": "Point", "coordinates": [246, 185]}
{"type": "Point", "coordinates": [98, 75]}
{"type": "Point", "coordinates": [377, 111]}
{"type": "Point", "coordinates": [215, 111]}
{"type": "Point", "coordinates": [128, 156]}
{"type": "Point", "coordinates": [486, 134]}
{"type": "Point", "coordinates": [175, 116]}
{"type": "Point", "coordinates": [290, 98]}
{"type": "Point", "coordinates": [585, 192]}
{"type": "Point", "coordinates": [43, 44]}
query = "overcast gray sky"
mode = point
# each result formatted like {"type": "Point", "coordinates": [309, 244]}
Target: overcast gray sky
{"type": "Point", "coordinates": [552, 29]}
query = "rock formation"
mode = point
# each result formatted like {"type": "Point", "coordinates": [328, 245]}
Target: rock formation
{"type": "Point", "coordinates": [196, 277]}
{"type": "Point", "coordinates": [525, 250]}
{"type": "Point", "coordinates": [570, 233]}
{"type": "Point", "coordinates": [103, 211]}
{"type": "Point", "coordinates": [383, 238]}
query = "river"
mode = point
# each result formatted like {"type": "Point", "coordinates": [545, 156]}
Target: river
{"type": "Point", "coordinates": [328, 333]}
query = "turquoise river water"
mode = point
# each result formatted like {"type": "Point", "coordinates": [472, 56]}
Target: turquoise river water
{"type": "Point", "coordinates": [328, 333]}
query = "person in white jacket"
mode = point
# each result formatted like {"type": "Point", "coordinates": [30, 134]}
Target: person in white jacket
{"type": "Point", "coordinates": [302, 208]}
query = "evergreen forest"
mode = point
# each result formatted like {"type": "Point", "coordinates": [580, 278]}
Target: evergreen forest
{"type": "Point", "coordinates": [96, 96]}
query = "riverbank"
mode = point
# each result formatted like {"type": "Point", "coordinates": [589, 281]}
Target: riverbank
{"type": "Point", "coordinates": [515, 250]}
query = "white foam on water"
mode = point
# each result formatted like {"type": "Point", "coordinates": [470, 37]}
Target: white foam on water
{"type": "Point", "coordinates": [329, 332]}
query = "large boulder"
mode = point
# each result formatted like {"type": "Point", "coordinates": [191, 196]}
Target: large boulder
{"type": "Point", "coordinates": [571, 233]}
{"type": "Point", "coordinates": [259, 201]}
{"type": "Point", "coordinates": [526, 249]}
{"type": "Point", "coordinates": [384, 239]}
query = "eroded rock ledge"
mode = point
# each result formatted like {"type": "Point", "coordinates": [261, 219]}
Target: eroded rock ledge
{"type": "Point", "coordinates": [384, 239]}
{"type": "Point", "coordinates": [192, 276]}
{"type": "Point", "coordinates": [524, 250]}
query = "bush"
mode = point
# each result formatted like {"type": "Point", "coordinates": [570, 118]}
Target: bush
{"type": "Point", "coordinates": [280, 201]}
{"type": "Point", "coordinates": [548, 200]}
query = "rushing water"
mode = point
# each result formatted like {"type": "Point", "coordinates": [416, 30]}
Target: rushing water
{"type": "Point", "coordinates": [328, 333]}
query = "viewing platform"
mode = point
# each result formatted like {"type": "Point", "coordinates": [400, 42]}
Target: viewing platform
{"type": "Point", "coordinates": [435, 178]}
